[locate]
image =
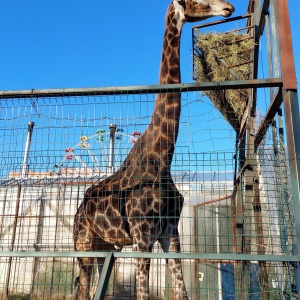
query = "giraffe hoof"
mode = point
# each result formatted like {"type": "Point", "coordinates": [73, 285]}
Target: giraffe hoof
{"type": "Point", "coordinates": [76, 288]}
{"type": "Point", "coordinates": [76, 282]}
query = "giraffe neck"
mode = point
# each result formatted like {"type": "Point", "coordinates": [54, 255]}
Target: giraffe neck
{"type": "Point", "coordinates": [165, 119]}
{"type": "Point", "coordinates": [170, 63]}
{"type": "Point", "coordinates": [153, 152]}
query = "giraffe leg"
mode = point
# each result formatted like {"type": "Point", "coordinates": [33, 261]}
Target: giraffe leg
{"type": "Point", "coordinates": [101, 245]}
{"type": "Point", "coordinates": [142, 243]}
{"type": "Point", "coordinates": [83, 282]}
{"type": "Point", "coordinates": [170, 242]}
{"type": "Point", "coordinates": [83, 241]}
{"type": "Point", "coordinates": [84, 279]}
{"type": "Point", "coordinates": [142, 267]}
{"type": "Point", "coordinates": [86, 265]}
{"type": "Point", "coordinates": [100, 263]}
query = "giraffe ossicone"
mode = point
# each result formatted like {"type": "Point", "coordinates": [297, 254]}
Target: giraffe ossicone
{"type": "Point", "coordinates": [139, 204]}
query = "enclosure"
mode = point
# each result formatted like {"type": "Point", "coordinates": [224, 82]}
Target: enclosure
{"type": "Point", "coordinates": [236, 163]}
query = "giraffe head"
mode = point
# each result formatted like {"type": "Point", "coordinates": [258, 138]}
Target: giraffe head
{"type": "Point", "coordinates": [197, 10]}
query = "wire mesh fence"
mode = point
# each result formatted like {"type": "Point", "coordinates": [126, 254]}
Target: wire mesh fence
{"type": "Point", "coordinates": [71, 148]}
{"type": "Point", "coordinates": [85, 169]}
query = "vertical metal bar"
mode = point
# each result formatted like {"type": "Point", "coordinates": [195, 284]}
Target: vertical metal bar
{"type": "Point", "coordinates": [291, 106]}
{"type": "Point", "coordinates": [274, 39]}
{"type": "Point", "coordinates": [252, 174]}
{"type": "Point", "coordinates": [237, 198]}
{"type": "Point", "coordinates": [196, 250]}
{"type": "Point", "coordinates": [57, 226]}
{"type": "Point", "coordinates": [104, 277]}
{"type": "Point", "coordinates": [3, 214]}
{"type": "Point", "coordinates": [287, 62]}
{"type": "Point", "coordinates": [258, 221]}
{"type": "Point", "coordinates": [112, 128]}
{"type": "Point", "coordinates": [242, 271]}
{"type": "Point", "coordinates": [39, 238]}
{"type": "Point", "coordinates": [219, 272]}
{"type": "Point", "coordinates": [27, 148]}
{"type": "Point", "coordinates": [281, 176]}
{"type": "Point", "coordinates": [248, 197]}
{"type": "Point", "coordinates": [292, 121]}
{"type": "Point", "coordinates": [238, 222]}
{"type": "Point", "coordinates": [291, 112]}
{"type": "Point", "coordinates": [277, 163]}
{"type": "Point", "coordinates": [249, 175]}
{"type": "Point", "coordinates": [12, 245]}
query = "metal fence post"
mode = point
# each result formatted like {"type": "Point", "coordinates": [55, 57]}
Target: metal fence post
{"type": "Point", "coordinates": [104, 277]}
{"type": "Point", "coordinates": [291, 112]}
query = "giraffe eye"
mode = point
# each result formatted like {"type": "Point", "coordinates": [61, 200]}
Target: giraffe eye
{"type": "Point", "coordinates": [200, 5]}
{"type": "Point", "coordinates": [204, 6]}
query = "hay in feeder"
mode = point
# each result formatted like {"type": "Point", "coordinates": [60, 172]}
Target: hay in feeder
{"type": "Point", "coordinates": [224, 57]}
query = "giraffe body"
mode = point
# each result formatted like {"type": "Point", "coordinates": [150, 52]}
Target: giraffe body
{"type": "Point", "coordinates": [139, 204]}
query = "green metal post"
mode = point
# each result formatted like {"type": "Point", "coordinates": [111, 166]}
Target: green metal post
{"type": "Point", "coordinates": [104, 277]}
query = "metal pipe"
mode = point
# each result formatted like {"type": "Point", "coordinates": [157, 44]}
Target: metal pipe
{"type": "Point", "coordinates": [42, 245]}
{"type": "Point", "coordinates": [12, 246]}
{"type": "Point", "coordinates": [104, 276]}
{"type": "Point", "coordinates": [112, 129]}
{"type": "Point", "coordinates": [223, 21]}
{"type": "Point", "coordinates": [16, 217]}
{"type": "Point", "coordinates": [145, 89]}
{"type": "Point", "coordinates": [27, 148]}
{"type": "Point", "coordinates": [171, 255]}
{"type": "Point", "coordinates": [39, 238]}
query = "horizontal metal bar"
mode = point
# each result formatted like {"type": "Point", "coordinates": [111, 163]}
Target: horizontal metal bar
{"type": "Point", "coordinates": [43, 245]}
{"type": "Point", "coordinates": [145, 89]}
{"type": "Point", "coordinates": [222, 21]}
{"type": "Point", "coordinates": [187, 256]}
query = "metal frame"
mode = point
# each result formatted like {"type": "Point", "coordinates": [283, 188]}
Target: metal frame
{"type": "Point", "coordinates": [247, 186]}
{"type": "Point", "coordinates": [286, 94]}
{"type": "Point", "coordinates": [188, 256]}
{"type": "Point", "coordinates": [143, 89]}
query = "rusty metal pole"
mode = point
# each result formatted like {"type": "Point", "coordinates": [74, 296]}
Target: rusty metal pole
{"type": "Point", "coordinates": [291, 112]}
{"type": "Point", "coordinates": [291, 106]}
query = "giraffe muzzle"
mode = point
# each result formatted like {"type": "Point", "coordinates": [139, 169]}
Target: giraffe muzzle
{"type": "Point", "coordinates": [227, 11]}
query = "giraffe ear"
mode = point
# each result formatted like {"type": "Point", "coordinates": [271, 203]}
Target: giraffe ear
{"type": "Point", "coordinates": [181, 2]}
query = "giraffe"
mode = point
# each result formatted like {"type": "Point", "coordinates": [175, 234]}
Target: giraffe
{"type": "Point", "coordinates": [139, 204]}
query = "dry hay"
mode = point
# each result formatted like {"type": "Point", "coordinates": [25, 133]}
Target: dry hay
{"type": "Point", "coordinates": [216, 53]}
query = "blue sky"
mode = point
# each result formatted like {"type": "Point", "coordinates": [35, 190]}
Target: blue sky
{"type": "Point", "coordinates": [55, 44]}
{"type": "Point", "coordinates": [66, 44]}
